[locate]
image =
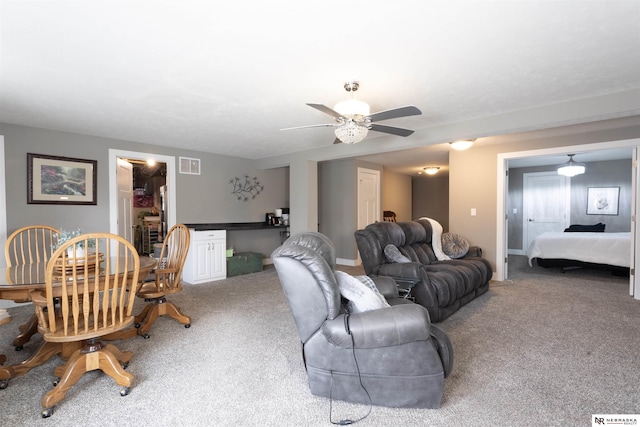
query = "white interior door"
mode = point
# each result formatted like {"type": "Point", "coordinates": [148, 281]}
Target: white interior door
{"type": "Point", "coordinates": [368, 197]}
{"type": "Point", "coordinates": [124, 179]}
{"type": "Point", "coordinates": [546, 204]}
{"type": "Point", "coordinates": [634, 283]}
{"type": "Point", "coordinates": [504, 195]}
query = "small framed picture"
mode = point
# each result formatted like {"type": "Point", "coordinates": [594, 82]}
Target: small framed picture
{"type": "Point", "coordinates": [602, 200]}
{"type": "Point", "coordinates": [61, 180]}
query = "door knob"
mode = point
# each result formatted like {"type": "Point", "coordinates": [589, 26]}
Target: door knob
{"type": "Point", "coordinates": [530, 220]}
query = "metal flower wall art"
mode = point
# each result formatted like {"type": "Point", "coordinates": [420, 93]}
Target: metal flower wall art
{"type": "Point", "coordinates": [247, 189]}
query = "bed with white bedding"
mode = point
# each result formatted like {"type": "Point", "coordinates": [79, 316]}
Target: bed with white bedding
{"type": "Point", "coordinates": [598, 250]}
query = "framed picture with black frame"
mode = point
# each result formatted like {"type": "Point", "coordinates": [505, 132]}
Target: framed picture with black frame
{"type": "Point", "coordinates": [61, 180]}
{"type": "Point", "coordinates": [602, 200]}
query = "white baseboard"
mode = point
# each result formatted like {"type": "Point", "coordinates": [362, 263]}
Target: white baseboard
{"type": "Point", "coordinates": [516, 252]}
{"type": "Point", "coordinates": [349, 262]}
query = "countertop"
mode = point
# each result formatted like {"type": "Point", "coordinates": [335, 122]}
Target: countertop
{"type": "Point", "coordinates": [231, 226]}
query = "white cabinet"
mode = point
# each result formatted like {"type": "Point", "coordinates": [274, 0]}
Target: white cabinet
{"type": "Point", "coordinates": [207, 257]}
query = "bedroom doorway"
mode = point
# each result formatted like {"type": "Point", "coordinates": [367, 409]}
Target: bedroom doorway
{"type": "Point", "coordinates": [502, 202]}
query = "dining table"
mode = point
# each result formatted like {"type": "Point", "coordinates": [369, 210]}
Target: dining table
{"type": "Point", "coordinates": [16, 284]}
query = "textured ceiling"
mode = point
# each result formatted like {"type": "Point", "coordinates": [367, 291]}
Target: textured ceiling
{"type": "Point", "coordinates": [224, 77]}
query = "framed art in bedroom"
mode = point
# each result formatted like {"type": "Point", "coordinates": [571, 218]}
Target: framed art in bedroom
{"type": "Point", "coordinates": [602, 200]}
{"type": "Point", "coordinates": [61, 180]}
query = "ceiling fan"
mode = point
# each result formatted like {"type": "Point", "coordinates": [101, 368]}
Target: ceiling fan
{"type": "Point", "coordinates": [353, 120]}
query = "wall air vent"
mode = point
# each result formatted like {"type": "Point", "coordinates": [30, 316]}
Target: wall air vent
{"type": "Point", "coordinates": [189, 166]}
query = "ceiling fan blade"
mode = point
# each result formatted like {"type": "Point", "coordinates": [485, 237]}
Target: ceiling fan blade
{"type": "Point", "coordinates": [326, 110]}
{"type": "Point", "coordinates": [390, 129]}
{"type": "Point", "coordinates": [312, 126]}
{"type": "Point", "coordinates": [409, 110]}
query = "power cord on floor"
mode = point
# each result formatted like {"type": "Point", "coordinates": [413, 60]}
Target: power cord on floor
{"type": "Point", "coordinates": [348, 421]}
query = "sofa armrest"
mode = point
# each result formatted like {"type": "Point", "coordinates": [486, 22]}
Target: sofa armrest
{"type": "Point", "coordinates": [386, 286]}
{"type": "Point", "coordinates": [395, 325]}
{"type": "Point", "coordinates": [404, 270]}
{"type": "Point", "coordinates": [444, 347]}
{"type": "Point", "coordinates": [474, 251]}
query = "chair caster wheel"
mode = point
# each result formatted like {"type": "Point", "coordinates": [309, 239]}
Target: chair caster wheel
{"type": "Point", "coordinates": [188, 325]}
{"type": "Point", "coordinates": [125, 391]}
{"type": "Point", "coordinates": [125, 365]}
{"type": "Point", "coordinates": [56, 382]}
{"type": "Point", "coordinates": [145, 336]}
{"type": "Point", "coordinates": [47, 412]}
{"type": "Point", "coordinates": [4, 384]}
{"type": "Point", "coordinates": [137, 325]}
{"type": "Point", "coordinates": [19, 348]}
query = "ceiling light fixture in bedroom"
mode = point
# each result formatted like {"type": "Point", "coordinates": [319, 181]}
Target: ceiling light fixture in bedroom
{"type": "Point", "coordinates": [571, 168]}
{"type": "Point", "coordinates": [431, 170]}
{"type": "Point", "coordinates": [462, 144]}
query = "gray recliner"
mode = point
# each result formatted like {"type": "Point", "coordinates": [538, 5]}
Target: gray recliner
{"type": "Point", "coordinates": [403, 359]}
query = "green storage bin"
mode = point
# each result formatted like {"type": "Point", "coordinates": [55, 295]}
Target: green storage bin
{"type": "Point", "coordinates": [244, 263]}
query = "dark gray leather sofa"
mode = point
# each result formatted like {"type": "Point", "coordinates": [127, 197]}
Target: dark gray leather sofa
{"type": "Point", "coordinates": [442, 287]}
{"type": "Point", "coordinates": [402, 358]}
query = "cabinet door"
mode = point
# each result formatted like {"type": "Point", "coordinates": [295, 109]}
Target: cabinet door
{"type": "Point", "coordinates": [218, 258]}
{"type": "Point", "coordinates": [202, 260]}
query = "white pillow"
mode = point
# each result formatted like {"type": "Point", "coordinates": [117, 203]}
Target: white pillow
{"type": "Point", "coordinates": [361, 292]}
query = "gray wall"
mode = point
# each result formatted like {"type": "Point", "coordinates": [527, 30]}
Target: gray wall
{"type": "Point", "coordinates": [431, 198]}
{"type": "Point", "coordinates": [337, 203]}
{"type": "Point", "coordinates": [200, 198]}
{"type": "Point", "coordinates": [396, 194]}
{"type": "Point", "coordinates": [613, 173]}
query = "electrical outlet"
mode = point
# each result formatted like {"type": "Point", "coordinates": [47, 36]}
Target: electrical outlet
{"type": "Point", "coordinates": [473, 211]}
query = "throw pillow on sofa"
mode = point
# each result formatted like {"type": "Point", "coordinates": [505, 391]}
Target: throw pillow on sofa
{"type": "Point", "coordinates": [393, 254]}
{"type": "Point", "coordinates": [361, 292]}
{"type": "Point", "coordinates": [454, 245]}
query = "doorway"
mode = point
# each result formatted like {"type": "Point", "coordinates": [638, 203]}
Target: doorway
{"type": "Point", "coordinates": [169, 194]}
{"type": "Point", "coordinates": [142, 202]}
{"type": "Point", "coordinates": [368, 197]}
{"type": "Point", "coordinates": [502, 191]}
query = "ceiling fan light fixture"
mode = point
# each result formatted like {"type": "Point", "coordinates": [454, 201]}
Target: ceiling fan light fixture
{"type": "Point", "coordinates": [462, 144]}
{"type": "Point", "coordinates": [351, 132]}
{"type": "Point", "coordinates": [353, 108]}
{"type": "Point", "coordinates": [431, 170]}
{"type": "Point", "coordinates": [571, 168]}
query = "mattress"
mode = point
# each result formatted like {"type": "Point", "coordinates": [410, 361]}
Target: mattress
{"type": "Point", "coordinates": [598, 248]}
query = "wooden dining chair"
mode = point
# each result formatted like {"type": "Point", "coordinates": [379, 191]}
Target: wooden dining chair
{"type": "Point", "coordinates": [389, 216]}
{"type": "Point", "coordinates": [86, 297]}
{"type": "Point", "coordinates": [29, 245]}
{"type": "Point", "coordinates": [167, 281]}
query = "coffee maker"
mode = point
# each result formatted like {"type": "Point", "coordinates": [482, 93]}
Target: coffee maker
{"type": "Point", "coordinates": [278, 217]}
{"type": "Point", "coordinates": [268, 218]}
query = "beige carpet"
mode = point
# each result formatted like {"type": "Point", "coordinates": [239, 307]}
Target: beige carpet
{"type": "Point", "coordinates": [543, 349]}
